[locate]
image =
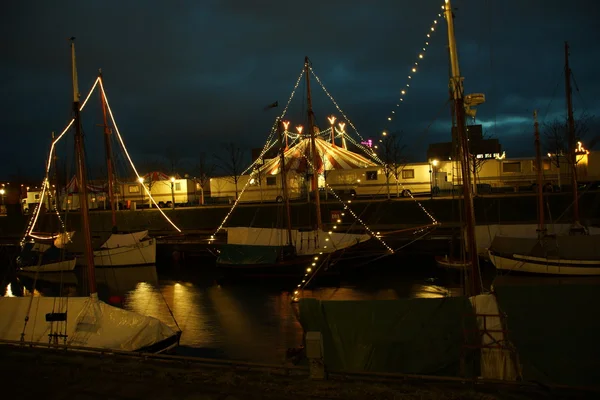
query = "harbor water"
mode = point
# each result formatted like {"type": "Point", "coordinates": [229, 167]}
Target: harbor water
{"type": "Point", "coordinates": [251, 319]}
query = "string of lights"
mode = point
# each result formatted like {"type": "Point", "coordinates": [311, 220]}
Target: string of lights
{"type": "Point", "coordinates": [212, 237]}
{"type": "Point", "coordinates": [345, 117]}
{"type": "Point", "coordinates": [37, 210]}
{"type": "Point", "coordinates": [414, 68]}
{"type": "Point", "coordinates": [112, 118]}
{"type": "Point", "coordinates": [270, 142]}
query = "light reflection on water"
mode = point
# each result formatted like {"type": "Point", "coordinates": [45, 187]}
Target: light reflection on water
{"type": "Point", "coordinates": [238, 321]}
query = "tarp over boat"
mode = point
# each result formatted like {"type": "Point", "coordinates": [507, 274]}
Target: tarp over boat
{"type": "Point", "coordinates": [415, 336]}
{"type": "Point", "coordinates": [306, 242]}
{"type": "Point", "coordinates": [553, 323]}
{"type": "Point", "coordinates": [124, 239]}
{"type": "Point", "coordinates": [568, 247]}
{"type": "Point", "coordinates": [89, 323]}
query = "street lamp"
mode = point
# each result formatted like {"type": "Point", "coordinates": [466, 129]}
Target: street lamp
{"type": "Point", "coordinates": [141, 180]}
{"type": "Point", "coordinates": [172, 193]}
{"type": "Point", "coordinates": [2, 191]}
{"type": "Point", "coordinates": [332, 122]}
{"type": "Point", "coordinates": [434, 164]}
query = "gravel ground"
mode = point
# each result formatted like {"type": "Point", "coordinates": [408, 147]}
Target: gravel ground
{"type": "Point", "coordinates": [49, 374]}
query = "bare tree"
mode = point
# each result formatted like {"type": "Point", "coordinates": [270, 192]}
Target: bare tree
{"type": "Point", "coordinates": [232, 164]}
{"type": "Point", "coordinates": [173, 159]}
{"type": "Point", "coordinates": [205, 170]}
{"type": "Point", "coordinates": [392, 157]}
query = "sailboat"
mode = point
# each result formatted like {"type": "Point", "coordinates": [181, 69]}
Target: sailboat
{"type": "Point", "coordinates": [285, 252]}
{"type": "Point", "coordinates": [578, 252]}
{"type": "Point", "coordinates": [82, 322]}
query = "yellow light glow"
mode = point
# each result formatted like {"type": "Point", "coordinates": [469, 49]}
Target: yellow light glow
{"type": "Point", "coordinates": [331, 119]}
{"type": "Point", "coordinates": [435, 163]}
{"type": "Point", "coordinates": [414, 70]}
{"type": "Point", "coordinates": [141, 179]}
{"type": "Point", "coordinates": [308, 269]}
{"type": "Point", "coordinates": [299, 128]}
{"type": "Point", "coordinates": [285, 124]}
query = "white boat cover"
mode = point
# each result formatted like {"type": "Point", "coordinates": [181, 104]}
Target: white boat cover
{"type": "Point", "coordinates": [89, 323]}
{"type": "Point", "coordinates": [486, 233]}
{"type": "Point", "coordinates": [306, 242]}
{"type": "Point", "coordinates": [124, 239]}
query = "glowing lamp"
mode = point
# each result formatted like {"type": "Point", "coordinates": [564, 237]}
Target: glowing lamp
{"type": "Point", "coordinates": [285, 124]}
{"type": "Point", "coordinates": [331, 119]}
{"type": "Point", "coordinates": [299, 129]}
{"type": "Point", "coordinates": [172, 179]}
{"type": "Point", "coordinates": [141, 179]}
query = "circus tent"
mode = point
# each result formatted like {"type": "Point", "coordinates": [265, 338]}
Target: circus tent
{"type": "Point", "coordinates": [73, 186]}
{"type": "Point", "coordinates": [158, 176]}
{"type": "Point", "coordinates": [331, 157]}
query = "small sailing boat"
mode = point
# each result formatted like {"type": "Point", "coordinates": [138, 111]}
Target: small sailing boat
{"type": "Point", "coordinates": [576, 253]}
{"type": "Point", "coordinates": [82, 321]}
{"type": "Point", "coordinates": [47, 256]}
{"type": "Point", "coordinates": [285, 252]}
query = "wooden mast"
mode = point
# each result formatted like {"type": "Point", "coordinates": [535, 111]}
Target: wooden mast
{"type": "Point", "coordinates": [109, 162]}
{"type": "Point", "coordinates": [540, 190]}
{"type": "Point", "coordinates": [456, 85]}
{"type": "Point", "coordinates": [282, 148]}
{"type": "Point", "coordinates": [571, 137]}
{"type": "Point", "coordinates": [313, 145]}
{"type": "Point", "coordinates": [82, 178]}
{"type": "Point", "coordinates": [56, 193]}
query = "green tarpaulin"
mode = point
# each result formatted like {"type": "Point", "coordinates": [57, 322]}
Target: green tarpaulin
{"type": "Point", "coordinates": [237, 254]}
{"type": "Point", "coordinates": [414, 336]}
{"type": "Point", "coordinates": [555, 327]}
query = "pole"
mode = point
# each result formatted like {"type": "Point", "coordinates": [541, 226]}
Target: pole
{"type": "Point", "coordinates": [56, 184]}
{"type": "Point", "coordinates": [172, 193]}
{"type": "Point", "coordinates": [571, 129]}
{"type": "Point", "coordinates": [109, 163]}
{"type": "Point", "coordinates": [82, 177]}
{"type": "Point", "coordinates": [282, 148]}
{"type": "Point", "coordinates": [313, 143]}
{"type": "Point", "coordinates": [540, 190]}
{"type": "Point", "coordinates": [456, 84]}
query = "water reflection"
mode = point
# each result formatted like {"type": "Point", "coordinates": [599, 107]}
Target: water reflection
{"type": "Point", "coordinates": [245, 321]}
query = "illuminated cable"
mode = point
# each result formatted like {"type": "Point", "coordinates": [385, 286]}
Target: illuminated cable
{"type": "Point", "coordinates": [112, 118]}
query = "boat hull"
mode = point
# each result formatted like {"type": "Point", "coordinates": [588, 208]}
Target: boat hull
{"type": "Point", "coordinates": [449, 263]}
{"type": "Point", "coordinates": [544, 266]}
{"type": "Point", "coordinates": [141, 253]}
{"type": "Point", "coordinates": [59, 266]}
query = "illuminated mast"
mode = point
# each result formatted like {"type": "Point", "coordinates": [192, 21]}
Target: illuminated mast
{"type": "Point", "coordinates": [313, 145]}
{"type": "Point", "coordinates": [82, 178]}
{"type": "Point", "coordinates": [456, 86]}
{"type": "Point", "coordinates": [109, 162]}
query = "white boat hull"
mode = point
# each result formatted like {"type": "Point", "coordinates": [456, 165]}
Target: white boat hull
{"type": "Point", "coordinates": [141, 253]}
{"type": "Point", "coordinates": [449, 263]}
{"type": "Point", "coordinates": [544, 266]}
{"type": "Point", "coordinates": [67, 265]}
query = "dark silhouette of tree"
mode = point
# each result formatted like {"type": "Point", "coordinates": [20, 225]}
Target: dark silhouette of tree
{"type": "Point", "coordinates": [392, 155]}
{"type": "Point", "coordinates": [205, 170]}
{"type": "Point", "coordinates": [231, 163]}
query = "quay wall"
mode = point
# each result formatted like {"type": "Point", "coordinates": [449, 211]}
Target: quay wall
{"type": "Point", "coordinates": [380, 215]}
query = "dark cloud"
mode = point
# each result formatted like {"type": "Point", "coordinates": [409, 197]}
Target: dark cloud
{"type": "Point", "coordinates": [191, 75]}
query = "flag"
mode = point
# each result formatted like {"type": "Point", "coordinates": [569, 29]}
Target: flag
{"type": "Point", "coordinates": [273, 105]}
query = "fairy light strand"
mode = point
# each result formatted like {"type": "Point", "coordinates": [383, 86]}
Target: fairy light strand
{"type": "Point", "coordinates": [370, 153]}
{"type": "Point", "coordinates": [37, 210]}
{"type": "Point", "coordinates": [274, 126]}
{"type": "Point", "coordinates": [112, 118]}
{"type": "Point", "coordinates": [414, 67]}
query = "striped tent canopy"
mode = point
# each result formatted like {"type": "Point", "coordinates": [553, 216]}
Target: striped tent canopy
{"type": "Point", "coordinates": [158, 176]}
{"type": "Point", "coordinates": [73, 186]}
{"type": "Point", "coordinates": [331, 157]}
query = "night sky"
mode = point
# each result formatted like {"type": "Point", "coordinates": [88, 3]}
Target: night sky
{"type": "Point", "coordinates": [187, 76]}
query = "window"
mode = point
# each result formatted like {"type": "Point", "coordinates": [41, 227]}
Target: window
{"type": "Point", "coordinates": [37, 196]}
{"type": "Point", "coordinates": [408, 174]}
{"type": "Point", "coordinates": [371, 175]}
{"type": "Point", "coordinates": [545, 165]}
{"type": "Point", "coordinates": [511, 166]}
{"type": "Point", "coordinates": [134, 189]}
{"type": "Point", "coordinates": [177, 186]}
{"type": "Point", "coordinates": [271, 180]}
